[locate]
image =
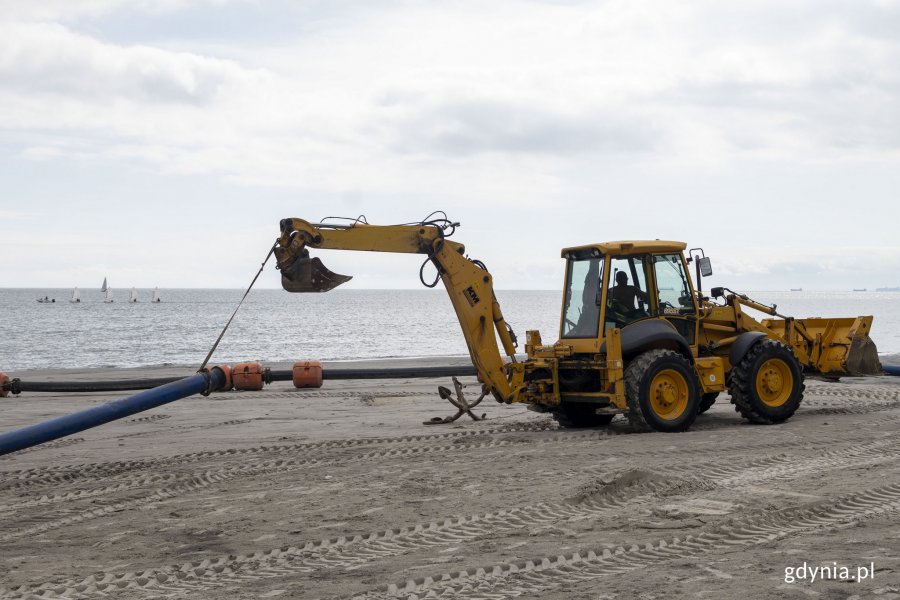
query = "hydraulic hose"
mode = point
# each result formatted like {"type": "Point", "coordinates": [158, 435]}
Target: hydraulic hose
{"type": "Point", "coordinates": [53, 429]}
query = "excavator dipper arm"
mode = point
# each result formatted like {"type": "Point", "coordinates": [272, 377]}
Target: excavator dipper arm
{"type": "Point", "coordinates": [468, 283]}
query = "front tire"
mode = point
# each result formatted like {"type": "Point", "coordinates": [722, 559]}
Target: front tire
{"type": "Point", "coordinates": [662, 392]}
{"type": "Point", "coordinates": [767, 385]}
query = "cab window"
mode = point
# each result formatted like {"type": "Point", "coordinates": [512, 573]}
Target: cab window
{"type": "Point", "coordinates": [627, 298]}
{"type": "Point", "coordinates": [675, 303]}
{"type": "Point", "coordinates": [581, 308]}
{"type": "Point", "coordinates": [674, 291]}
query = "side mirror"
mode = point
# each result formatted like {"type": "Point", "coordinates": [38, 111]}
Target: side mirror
{"type": "Point", "coordinates": [717, 292]}
{"type": "Point", "coordinates": [705, 266]}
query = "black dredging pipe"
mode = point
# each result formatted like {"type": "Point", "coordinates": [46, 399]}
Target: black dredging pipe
{"type": "Point", "coordinates": [216, 378]}
{"type": "Point", "coordinates": [16, 386]}
{"type": "Point", "coordinates": [392, 373]}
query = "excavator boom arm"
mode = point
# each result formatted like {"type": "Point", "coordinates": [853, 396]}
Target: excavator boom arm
{"type": "Point", "coordinates": [468, 283]}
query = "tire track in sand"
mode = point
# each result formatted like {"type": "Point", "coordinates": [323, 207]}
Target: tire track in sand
{"type": "Point", "coordinates": [539, 575]}
{"type": "Point", "coordinates": [351, 552]}
{"type": "Point", "coordinates": [54, 475]}
{"type": "Point", "coordinates": [195, 482]}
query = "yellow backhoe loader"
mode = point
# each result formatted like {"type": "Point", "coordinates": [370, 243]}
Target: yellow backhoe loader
{"type": "Point", "coordinates": [636, 336]}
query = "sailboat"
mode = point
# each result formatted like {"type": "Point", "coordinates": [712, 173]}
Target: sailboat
{"type": "Point", "coordinates": [108, 297]}
{"type": "Point", "coordinates": [76, 295]}
{"type": "Point", "coordinates": [103, 287]}
{"type": "Point", "coordinates": [133, 295]}
{"type": "Point", "coordinates": [156, 295]}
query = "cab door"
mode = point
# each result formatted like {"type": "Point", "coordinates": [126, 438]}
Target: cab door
{"type": "Point", "coordinates": [675, 301]}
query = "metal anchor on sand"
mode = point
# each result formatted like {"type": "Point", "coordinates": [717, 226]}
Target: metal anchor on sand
{"type": "Point", "coordinates": [462, 405]}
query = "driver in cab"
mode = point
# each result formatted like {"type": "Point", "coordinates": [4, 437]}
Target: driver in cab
{"type": "Point", "coordinates": [625, 295]}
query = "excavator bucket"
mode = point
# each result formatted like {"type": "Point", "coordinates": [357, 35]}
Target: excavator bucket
{"type": "Point", "coordinates": [843, 346]}
{"type": "Point", "coordinates": [307, 274]}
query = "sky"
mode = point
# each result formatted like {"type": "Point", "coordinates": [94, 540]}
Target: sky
{"type": "Point", "coordinates": [160, 143]}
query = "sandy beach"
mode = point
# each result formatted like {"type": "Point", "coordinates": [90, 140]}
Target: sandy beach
{"type": "Point", "coordinates": [344, 492]}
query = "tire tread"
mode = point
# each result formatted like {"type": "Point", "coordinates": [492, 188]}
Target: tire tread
{"type": "Point", "coordinates": [634, 374]}
{"type": "Point", "coordinates": [741, 381]}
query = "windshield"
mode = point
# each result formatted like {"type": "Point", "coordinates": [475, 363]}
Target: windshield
{"type": "Point", "coordinates": [674, 293]}
{"type": "Point", "coordinates": [581, 308]}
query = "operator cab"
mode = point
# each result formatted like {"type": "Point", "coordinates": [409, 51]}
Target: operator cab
{"type": "Point", "coordinates": [619, 283]}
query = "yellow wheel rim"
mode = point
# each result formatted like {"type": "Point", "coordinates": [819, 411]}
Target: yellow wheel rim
{"type": "Point", "coordinates": [669, 394]}
{"type": "Point", "coordinates": [774, 382]}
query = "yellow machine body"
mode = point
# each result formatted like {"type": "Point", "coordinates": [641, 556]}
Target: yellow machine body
{"type": "Point", "coordinates": [658, 357]}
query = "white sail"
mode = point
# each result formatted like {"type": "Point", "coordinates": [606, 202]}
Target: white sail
{"type": "Point", "coordinates": [103, 287]}
{"type": "Point", "coordinates": [155, 295]}
{"type": "Point", "coordinates": [133, 295]}
{"type": "Point", "coordinates": [109, 297]}
{"type": "Point", "coordinates": [76, 296]}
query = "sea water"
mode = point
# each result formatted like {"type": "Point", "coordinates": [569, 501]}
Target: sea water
{"type": "Point", "coordinates": [275, 326]}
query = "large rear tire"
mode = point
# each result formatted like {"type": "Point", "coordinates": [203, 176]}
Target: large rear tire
{"type": "Point", "coordinates": [767, 385]}
{"type": "Point", "coordinates": [580, 416]}
{"type": "Point", "coordinates": [662, 392]}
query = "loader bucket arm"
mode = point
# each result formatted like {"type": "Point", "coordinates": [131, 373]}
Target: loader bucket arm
{"type": "Point", "coordinates": [468, 283]}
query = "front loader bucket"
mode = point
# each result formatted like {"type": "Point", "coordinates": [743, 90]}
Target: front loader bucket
{"type": "Point", "coordinates": [307, 274]}
{"type": "Point", "coordinates": [840, 346]}
{"type": "Point", "coordinates": [862, 359]}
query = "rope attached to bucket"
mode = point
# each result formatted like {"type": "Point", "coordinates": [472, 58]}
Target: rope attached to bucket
{"type": "Point", "coordinates": [224, 329]}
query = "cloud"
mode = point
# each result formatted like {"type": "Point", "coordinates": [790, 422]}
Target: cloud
{"type": "Point", "coordinates": [15, 215]}
{"type": "Point", "coordinates": [48, 10]}
{"type": "Point", "coordinates": [469, 126]}
{"type": "Point", "coordinates": [812, 267]}
{"type": "Point", "coordinates": [360, 102]}
{"type": "Point", "coordinates": [517, 103]}
{"type": "Point", "coordinates": [49, 59]}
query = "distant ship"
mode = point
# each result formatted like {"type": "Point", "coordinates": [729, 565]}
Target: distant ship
{"type": "Point", "coordinates": [859, 289]}
{"type": "Point", "coordinates": [796, 289]}
{"type": "Point", "coordinates": [156, 295]}
{"type": "Point", "coordinates": [103, 287]}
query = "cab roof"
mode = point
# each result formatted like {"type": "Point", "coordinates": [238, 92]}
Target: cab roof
{"type": "Point", "coordinates": [628, 247]}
